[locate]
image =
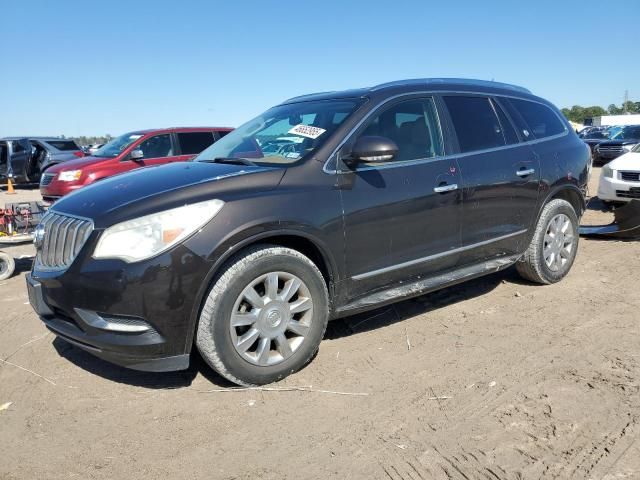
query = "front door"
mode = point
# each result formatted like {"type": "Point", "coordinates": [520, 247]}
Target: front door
{"type": "Point", "coordinates": [500, 179]}
{"type": "Point", "coordinates": [401, 217]}
{"type": "Point", "coordinates": [19, 155]}
{"type": "Point", "coordinates": [156, 150]}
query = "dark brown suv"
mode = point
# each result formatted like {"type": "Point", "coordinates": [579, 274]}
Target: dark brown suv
{"type": "Point", "coordinates": [321, 207]}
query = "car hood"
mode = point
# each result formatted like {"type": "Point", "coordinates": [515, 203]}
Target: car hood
{"type": "Point", "coordinates": [76, 164]}
{"type": "Point", "coordinates": [153, 189]}
{"type": "Point", "coordinates": [628, 161]}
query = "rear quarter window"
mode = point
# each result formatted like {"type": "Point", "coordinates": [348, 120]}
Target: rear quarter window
{"type": "Point", "coordinates": [63, 145]}
{"type": "Point", "coordinates": [541, 120]}
{"type": "Point", "coordinates": [192, 143]}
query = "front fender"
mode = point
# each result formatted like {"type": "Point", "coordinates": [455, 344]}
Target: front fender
{"type": "Point", "coordinates": [248, 235]}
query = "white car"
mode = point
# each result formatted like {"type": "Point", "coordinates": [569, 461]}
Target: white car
{"type": "Point", "coordinates": [620, 178]}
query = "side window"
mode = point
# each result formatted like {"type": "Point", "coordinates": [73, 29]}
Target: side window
{"type": "Point", "coordinates": [413, 125]}
{"type": "Point", "coordinates": [16, 147]}
{"type": "Point", "coordinates": [64, 145]}
{"type": "Point", "coordinates": [194, 142]}
{"type": "Point", "coordinates": [222, 133]}
{"type": "Point", "coordinates": [542, 121]}
{"type": "Point", "coordinates": [157, 147]}
{"type": "Point", "coordinates": [507, 129]}
{"type": "Point", "coordinates": [476, 123]}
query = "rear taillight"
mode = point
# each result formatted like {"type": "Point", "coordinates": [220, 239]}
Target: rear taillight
{"type": "Point", "coordinates": [78, 154]}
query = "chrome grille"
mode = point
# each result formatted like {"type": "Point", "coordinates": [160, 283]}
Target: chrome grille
{"type": "Point", "coordinates": [46, 179]}
{"type": "Point", "coordinates": [630, 176]}
{"type": "Point", "coordinates": [633, 193]}
{"type": "Point", "coordinates": [610, 148]}
{"type": "Point", "coordinates": [63, 239]}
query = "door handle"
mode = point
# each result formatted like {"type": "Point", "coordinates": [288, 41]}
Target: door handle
{"type": "Point", "coordinates": [446, 188]}
{"type": "Point", "coordinates": [524, 173]}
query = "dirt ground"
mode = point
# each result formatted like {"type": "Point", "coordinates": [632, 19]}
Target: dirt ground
{"type": "Point", "coordinates": [493, 379]}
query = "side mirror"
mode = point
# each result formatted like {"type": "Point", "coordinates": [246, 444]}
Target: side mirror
{"type": "Point", "coordinates": [136, 155]}
{"type": "Point", "coordinates": [373, 149]}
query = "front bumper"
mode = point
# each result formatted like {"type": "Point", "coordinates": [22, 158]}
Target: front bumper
{"type": "Point", "coordinates": [57, 189]}
{"type": "Point", "coordinates": [141, 316]}
{"type": "Point", "coordinates": [616, 190]}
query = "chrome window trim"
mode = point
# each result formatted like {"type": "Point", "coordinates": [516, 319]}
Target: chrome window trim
{"type": "Point", "coordinates": [333, 158]}
{"type": "Point", "coordinates": [435, 256]}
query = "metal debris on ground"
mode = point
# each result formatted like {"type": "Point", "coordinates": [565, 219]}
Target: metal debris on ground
{"type": "Point", "coordinates": [625, 226]}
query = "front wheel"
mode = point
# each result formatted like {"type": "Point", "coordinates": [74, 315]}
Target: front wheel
{"type": "Point", "coordinates": [264, 317]}
{"type": "Point", "coordinates": [554, 244]}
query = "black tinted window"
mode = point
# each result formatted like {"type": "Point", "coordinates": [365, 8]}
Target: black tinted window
{"type": "Point", "coordinates": [413, 126]}
{"type": "Point", "coordinates": [194, 142]}
{"type": "Point", "coordinates": [542, 121]}
{"type": "Point", "coordinates": [157, 147]}
{"type": "Point", "coordinates": [475, 122]}
{"type": "Point", "coordinates": [507, 129]}
{"type": "Point", "coordinates": [222, 133]}
{"type": "Point", "coordinates": [64, 145]}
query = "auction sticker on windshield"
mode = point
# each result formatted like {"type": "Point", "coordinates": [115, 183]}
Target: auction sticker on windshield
{"type": "Point", "coordinates": [307, 131]}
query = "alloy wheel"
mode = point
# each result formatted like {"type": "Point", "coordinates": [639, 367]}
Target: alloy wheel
{"type": "Point", "coordinates": [559, 242]}
{"type": "Point", "coordinates": [271, 318]}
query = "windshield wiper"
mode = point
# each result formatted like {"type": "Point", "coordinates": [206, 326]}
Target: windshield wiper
{"type": "Point", "coordinates": [241, 161]}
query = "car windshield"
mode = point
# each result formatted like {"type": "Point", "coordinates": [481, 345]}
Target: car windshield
{"type": "Point", "coordinates": [117, 145]}
{"type": "Point", "coordinates": [627, 133]}
{"type": "Point", "coordinates": [597, 134]}
{"type": "Point", "coordinates": [283, 134]}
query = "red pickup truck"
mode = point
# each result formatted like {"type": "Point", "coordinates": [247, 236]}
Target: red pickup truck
{"type": "Point", "coordinates": [132, 150]}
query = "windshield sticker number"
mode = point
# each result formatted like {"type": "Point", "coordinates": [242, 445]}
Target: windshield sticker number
{"type": "Point", "coordinates": [307, 131]}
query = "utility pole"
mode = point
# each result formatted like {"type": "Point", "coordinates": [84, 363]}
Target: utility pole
{"type": "Point", "coordinates": [624, 103]}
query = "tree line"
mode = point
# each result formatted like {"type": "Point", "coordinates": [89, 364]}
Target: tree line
{"type": "Point", "coordinates": [578, 113]}
{"type": "Point", "coordinates": [85, 140]}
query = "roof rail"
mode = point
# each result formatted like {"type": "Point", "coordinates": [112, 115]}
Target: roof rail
{"type": "Point", "coordinates": [459, 81]}
{"type": "Point", "coordinates": [300, 97]}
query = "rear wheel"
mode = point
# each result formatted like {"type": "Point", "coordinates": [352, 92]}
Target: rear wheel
{"type": "Point", "coordinates": [264, 317]}
{"type": "Point", "coordinates": [554, 244]}
{"type": "Point", "coordinates": [7, 266]}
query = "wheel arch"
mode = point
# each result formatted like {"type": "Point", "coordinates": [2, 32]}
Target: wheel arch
{"type": "Point", "coordinates": [571, 194]}
{"type": "Point", "coordinates": [294, 239]}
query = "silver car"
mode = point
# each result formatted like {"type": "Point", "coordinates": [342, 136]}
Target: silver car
{"type": "Point", "coordinates": [24, 159]}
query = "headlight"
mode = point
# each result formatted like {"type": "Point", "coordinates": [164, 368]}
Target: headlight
{"type": "Point", "coordinates": [607, 171]}
{"type": "Point", "coordinates": [144, 237]}
{"type": "Point", "coordinates": [628, 148]}
{"type": "Point", "coordinates": [69, 175]}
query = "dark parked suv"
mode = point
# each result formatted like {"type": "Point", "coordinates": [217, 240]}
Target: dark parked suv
{"type": "Point", "coordinates": [323, 206]}
{"type": "Point", "coordinates": [24, 159]}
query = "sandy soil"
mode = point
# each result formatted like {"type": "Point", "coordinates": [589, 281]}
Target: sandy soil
{"type": "Point", "coordinates": [493, 379]}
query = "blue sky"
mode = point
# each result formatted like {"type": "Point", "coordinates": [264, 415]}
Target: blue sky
{"type": "Point", "coordinates": [79, 67]}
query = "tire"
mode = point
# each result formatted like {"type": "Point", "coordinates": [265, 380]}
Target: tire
{"type": "Point", "coordinates": [533, 265]}
{"type": "Point", "coordinates": [236, 351]}
{"type": "Point", "coordinates": [7, 266]}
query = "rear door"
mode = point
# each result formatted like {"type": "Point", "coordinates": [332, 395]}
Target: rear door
{"type": "Point", "coordinates": [547, 134]}
{"type": "Point", "coordinates": [192, 143]}
{"type": "Point", "coordinates": [500, 178]}
{"type": "Point", "coordinates": [401, 217]}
